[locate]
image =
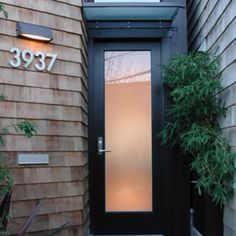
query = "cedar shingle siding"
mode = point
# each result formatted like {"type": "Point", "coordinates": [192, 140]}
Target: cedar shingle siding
{"type": "Point", "coordinates": [212, 26]}
{"type": "Point", "coordinates": [57, 103]}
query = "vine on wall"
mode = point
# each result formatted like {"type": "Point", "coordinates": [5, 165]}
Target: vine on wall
{"type": "Point", "coordinates": [2, 9]}
{"type": "Point", "coordinates": [193, 83]}
{"type": "Point", "coordinates": [28, 129]}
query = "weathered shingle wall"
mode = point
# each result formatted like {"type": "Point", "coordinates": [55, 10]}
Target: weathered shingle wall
{"type": "Point", "coordinates": [212, 26]}
{"type": "Point", "coordinates": [57, 103]}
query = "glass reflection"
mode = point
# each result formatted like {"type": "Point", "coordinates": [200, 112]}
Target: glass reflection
{"type": "Point", "coordinates": [128, 168]}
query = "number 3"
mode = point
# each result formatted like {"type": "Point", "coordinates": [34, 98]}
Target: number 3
{"type": "Point", "coordinates": [42, 64]}
{"type": "Point", "coordinates": [17, 61]}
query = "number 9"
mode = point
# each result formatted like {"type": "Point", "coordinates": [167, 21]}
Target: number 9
{"type": "Point", "coordinates": [27, 57]}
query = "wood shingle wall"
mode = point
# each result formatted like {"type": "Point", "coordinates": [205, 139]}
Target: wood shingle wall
{"type": "Point", "coordinates": [57, 103]}
{"type": "Point", "coordinates": [212, 26]}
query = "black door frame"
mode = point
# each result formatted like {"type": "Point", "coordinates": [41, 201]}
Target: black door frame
{"type": "Point", "coordinates": [176, 220]}
{"type": "Point", "coordinates": [138, 222]}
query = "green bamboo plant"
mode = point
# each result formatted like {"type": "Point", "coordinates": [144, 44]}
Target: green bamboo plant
{"type": "Point", "coordinates": [193, 85]}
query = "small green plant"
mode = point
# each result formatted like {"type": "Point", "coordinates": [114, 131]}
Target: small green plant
{"type": "Point", "coordinates": [192, 123]}
{"type": "Point", "coordinates": [28, 129]}
{"type": "Point", "coordinates": [6, 180]}
{"type": "Point", "coordinates": [2, 9]}
{"type": "Point", "coordinates": [4, 213]}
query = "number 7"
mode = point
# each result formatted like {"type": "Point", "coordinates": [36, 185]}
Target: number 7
{"type": "Point", "coordinates": [52, 61]}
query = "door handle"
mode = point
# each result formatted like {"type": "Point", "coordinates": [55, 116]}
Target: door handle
{"type": "Point", "coordinates": [101, 150]}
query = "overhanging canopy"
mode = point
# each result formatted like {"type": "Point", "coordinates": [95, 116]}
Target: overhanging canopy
{"type": "Point", "coordinates": [161, 11]}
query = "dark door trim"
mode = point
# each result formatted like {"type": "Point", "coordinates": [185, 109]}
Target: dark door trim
{"type": "Point", "coordinates": [118, 223]}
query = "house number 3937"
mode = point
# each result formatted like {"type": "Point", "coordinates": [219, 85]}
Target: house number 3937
{"type": "Point", "coordinates": [28, 57]}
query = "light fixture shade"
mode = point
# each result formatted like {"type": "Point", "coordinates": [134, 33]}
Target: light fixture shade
{"type": "Point", "coordinates": [36, 32]}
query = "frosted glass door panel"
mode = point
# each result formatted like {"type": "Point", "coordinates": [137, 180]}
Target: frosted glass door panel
{"type": "Point", "coordinates": [128, 167]}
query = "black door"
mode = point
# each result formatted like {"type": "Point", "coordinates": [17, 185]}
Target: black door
{"type": "Point", "coordinates": [126, 182]}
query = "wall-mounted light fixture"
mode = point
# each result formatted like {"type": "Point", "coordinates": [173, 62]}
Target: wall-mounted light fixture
{"type": "Point", "coordinates": [35, 32]}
